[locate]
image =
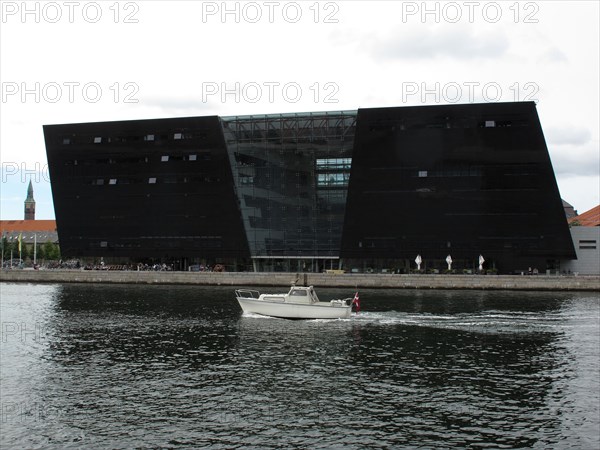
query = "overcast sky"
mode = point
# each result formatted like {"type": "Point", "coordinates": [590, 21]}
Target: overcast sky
{"type": "Point", "coordinates": [65, 62]}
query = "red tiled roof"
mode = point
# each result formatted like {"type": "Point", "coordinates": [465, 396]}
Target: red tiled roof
{"type": "Point", "coordinates": [27, 225]}
{"type": "Point", "coordinates": [589, 218]}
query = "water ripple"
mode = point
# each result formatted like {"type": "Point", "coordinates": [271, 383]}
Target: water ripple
{"type": "Point", "coordinates": [122, 366]}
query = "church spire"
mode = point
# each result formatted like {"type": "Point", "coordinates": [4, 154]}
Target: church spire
{"type": "Point", "coordinates": [30, 203]}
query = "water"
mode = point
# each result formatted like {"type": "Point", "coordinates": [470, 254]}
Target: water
{"type": "Point", "coordinates": [104, 366]}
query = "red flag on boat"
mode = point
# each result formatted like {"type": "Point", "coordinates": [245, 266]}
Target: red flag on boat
{"type": "Point", "coordinates": [356, 301]}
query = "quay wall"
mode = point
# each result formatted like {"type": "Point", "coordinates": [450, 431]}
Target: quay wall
{"type": "Point", "coordinates": [351, 281]}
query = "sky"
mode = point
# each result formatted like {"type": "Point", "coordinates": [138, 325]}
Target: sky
{"type": "Point", "coordinates": [79, 61]}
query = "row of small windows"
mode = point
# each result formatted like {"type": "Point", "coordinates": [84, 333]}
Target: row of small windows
{"type": "Point", "coordinates": [156, 180]}
{"type": "Point", "coordinates": [458, 172]}
{"type": "Point", "coordinates": [166, 242]}
{"type": "Point", "coordinates": [175, 136]}
{"type": "Point", "coordinates": [587, 244]}
{"type": "Point", "coordinates": [204, 156]}
{"type": "Point", "coordinates": [166, 158]}
{"type": "Point", "coordinates": [394, 124]}
{"type": "Point", "coordinates": [475, 171]}
{"type": "Point", "coordinates": [334, 163]}
{"type": "Point", "coordinates": [333, 179]}
{"type": "Point", "coordinates": [502, 123]}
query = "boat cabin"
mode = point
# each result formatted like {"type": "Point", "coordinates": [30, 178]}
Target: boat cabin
{"type": "Point", "coordinates": [300, 294]}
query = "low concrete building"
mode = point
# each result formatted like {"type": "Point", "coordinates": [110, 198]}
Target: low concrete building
{"type": "Point", "coordinates": [585, 232]}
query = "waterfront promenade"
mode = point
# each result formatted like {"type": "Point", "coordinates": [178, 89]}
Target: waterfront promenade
{"type": "Point", "coordinates": [354, 281]}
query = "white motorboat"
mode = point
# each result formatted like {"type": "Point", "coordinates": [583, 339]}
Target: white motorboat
{"type": "Point", "coordinates": [299, 303]}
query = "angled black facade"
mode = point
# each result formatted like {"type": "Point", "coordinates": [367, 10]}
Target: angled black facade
{"type": "Point", "coordinates": [153, 189]}
{"type": "Point", "coordinates": [366, 189]}
{"type": "Point", "coordinates": [462, 180]}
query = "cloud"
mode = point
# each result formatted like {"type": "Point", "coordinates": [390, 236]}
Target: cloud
{"type": "Point", "coordinates": [553, 55]}
{"type": "Point", "coordinates": [573, 151]}
{"type": "Point", "coordinates": [567, 136]}
{"type": "Point", "coordinates": [178, 106]}
{"type": "Point", "coordinates": [583, 160]}
{"type": "Point", "coordinates": [426, 43]}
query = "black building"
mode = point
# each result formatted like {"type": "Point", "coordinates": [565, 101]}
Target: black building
{"type": "Point", "coordinates": [366, 189]}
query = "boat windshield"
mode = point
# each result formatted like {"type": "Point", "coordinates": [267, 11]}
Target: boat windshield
{"type": "Point", "coordinates": [298, 293]}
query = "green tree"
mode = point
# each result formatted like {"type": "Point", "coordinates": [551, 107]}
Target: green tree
{"type": "Point", "coordinates": [14, 248]}
{"type": "Point", "coordinates": [5, 248]}
{"type": "Point", "coordinates": [24, 251]}
{"type": "Point", "coordinates": [40, 252]}
{"type": "Point", "coordinates": [51, 251]}
{"type": "Point", "coordinates": [48, 250]}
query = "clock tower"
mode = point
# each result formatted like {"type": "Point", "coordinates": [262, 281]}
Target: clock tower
{"type": "Point", "coordinates": [29, 204]}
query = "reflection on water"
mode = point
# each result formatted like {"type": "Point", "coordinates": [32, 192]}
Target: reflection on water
{"type": "Point", "coordinates": [155, 366]}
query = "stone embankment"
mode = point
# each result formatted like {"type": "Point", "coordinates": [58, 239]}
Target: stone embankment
{"type": "Point", "coordinates": [360, 281]}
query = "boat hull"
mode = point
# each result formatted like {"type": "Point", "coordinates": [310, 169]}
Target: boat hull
{"type": "Point", "coordinates": [288, 310]}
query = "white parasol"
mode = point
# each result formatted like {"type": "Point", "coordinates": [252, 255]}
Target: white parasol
{"type": "Point", "coordinates": [418, 260]}
{"type": "Point", "coordinates": [481, 261]}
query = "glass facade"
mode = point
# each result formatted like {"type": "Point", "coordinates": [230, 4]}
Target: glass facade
{"type": "Point", "coordinates": [291, 174]}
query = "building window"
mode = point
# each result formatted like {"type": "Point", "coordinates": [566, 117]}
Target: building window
{"type": "Point", "coordinates": [422, 173]}
{"type": "Point", "coordinates": [97, 140]}
{"type": "Point", "coordinates": [334, 163]}
{"type": "Point", "coordinates": [246, 179]}
{"type": "Point", "coordinates": [149, 137]}
{"type": "Point", "coordinates": [66, 141]}
{"type": "Point", "coordinates": [152, 180]}
{"type": "Point", "coordinates": [103, 244]}
{"type": "Point", "coordinates": [164, 158]}
{"type": "Point", "coordinates": [587, 244]}
{"type": "Point", "coordinates": [112, 181]}
{"type": "Point", "coordinates": [193, 157]}
{"type": "Point", "coordinates": [490, 123]}
{"type": "Point", "coordinates": [178, 136]}
{"type": "Point", "coordinates": [98, 182]}
{"type": "Point", "coordinates": [333, 179]}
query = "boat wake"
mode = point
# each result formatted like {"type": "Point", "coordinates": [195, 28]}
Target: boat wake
{"type": "Point", "coordinates": [484, 321]}
{"type": "Point", "coordinates": [250, 315]}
